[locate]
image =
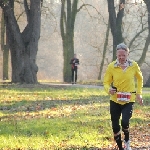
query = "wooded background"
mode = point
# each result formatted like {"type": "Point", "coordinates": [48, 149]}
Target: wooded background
{"type": "Point", "coordinates": [51, 31]}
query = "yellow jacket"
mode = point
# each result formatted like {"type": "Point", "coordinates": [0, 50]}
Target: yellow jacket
{"type": "Point", "coordinates": [124, 80]}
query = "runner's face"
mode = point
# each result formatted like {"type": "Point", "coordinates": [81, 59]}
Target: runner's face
{"type": "Point", "coordinates": [122, 55]}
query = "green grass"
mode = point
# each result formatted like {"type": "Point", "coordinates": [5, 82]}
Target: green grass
{"type": "Point", "coordinates": [59, 118]}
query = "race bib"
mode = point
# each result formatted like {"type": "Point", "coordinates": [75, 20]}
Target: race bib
{"type": "Point", "coordinates": [123, 96]}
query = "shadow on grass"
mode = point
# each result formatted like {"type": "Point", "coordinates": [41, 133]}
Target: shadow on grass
{"type": "Point", "coordinates": [40, 105]}
{"type": "Point", "coordinates": [96, 148]}
{"type": "Point", "coordinates": [14, 108]}
{"type": "Point", "coordinates": [39, 130]}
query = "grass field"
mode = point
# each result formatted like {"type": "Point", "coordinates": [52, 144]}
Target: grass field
{"type": "Point", "coordinates": [57, 118]}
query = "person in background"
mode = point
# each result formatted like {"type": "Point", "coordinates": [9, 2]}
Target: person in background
{"type": "Point", "coordinates": [74, 67]}
{"type": "Point", "coordinates": [119, 83]}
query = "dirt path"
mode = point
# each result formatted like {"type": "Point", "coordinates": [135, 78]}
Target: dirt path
{"type": "Point", "coordinates": [80, 85]}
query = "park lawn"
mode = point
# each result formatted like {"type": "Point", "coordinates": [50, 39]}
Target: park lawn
{"type": "Point", "coordinates": [62, 118]}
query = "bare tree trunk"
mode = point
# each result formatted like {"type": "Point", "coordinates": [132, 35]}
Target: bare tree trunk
{"type": "Point", "coordinates": [104, 52]}
{"type": "Point", "coordinates": [4, 48]}
{"type": "Point", "coordinates": [67, 22]}
{"type": "Point", "coordinates": [23, 46]}
{"type": "Point", "coordinates": [143, 56]}
{"type": "Point", "coordinates": [32, 32]}
{"type": "Point", "coordinates": [116, 23]}
{"type": "Point", "coordinates": [147, 2]}
{"type": "Point", "coordinates": [5, 62]}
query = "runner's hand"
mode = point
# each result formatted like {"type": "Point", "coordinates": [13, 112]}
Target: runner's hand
{"type": "Point", "coordinates": [112, 91]}
{"type": "Point", "coordinates": [139, 99]}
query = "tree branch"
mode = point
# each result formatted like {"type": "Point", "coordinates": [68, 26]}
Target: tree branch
{"type": "Point", "coordinates": [62, 18]}
{"type": "Point", "coordinates": [27, 10]}
{"type": "Point", "coordinates": [84, 5]}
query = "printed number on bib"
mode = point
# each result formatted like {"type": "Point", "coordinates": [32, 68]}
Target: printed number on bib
{"type": "Point", "coordinates": [123, 96]}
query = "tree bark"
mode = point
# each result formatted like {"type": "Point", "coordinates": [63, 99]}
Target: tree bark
{"type": "Point", "coordinates": [104, 52]}
{"type": "Point", "coordinates": [4, 48]}
{"type": "Point", "coordinates": [116, 23]}
{"type": "Point", "coordinates": [23, 46]}
{"type": "Point", "coordinates": [147, 2]}
{"type": "Point", "coordinates": [67, 21]}
{"type": "Point", "coordinates": [144, 52]}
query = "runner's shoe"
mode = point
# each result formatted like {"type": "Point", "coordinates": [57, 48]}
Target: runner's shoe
{"type": "Point", "coordinates": [127, 145]}
{"type": "Point", "coordinates": [117, 148]}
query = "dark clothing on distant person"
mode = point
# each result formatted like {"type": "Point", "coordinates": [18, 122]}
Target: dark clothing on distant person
{"type": "Point", "coordinates": [74, 67]}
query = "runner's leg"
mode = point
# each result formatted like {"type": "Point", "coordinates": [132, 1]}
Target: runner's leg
{"type": "Point", "coordinates": [115, 112]}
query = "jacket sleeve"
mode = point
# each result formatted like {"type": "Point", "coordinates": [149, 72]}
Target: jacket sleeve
{"type": "Point", "coordinates": [139, 78]}
{"type": "Point", "coordinates": [76, 61]}
{"type": "Point", "coordinates": [108, 79]}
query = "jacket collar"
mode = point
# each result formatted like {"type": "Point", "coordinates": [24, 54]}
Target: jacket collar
{"type": "Point", "coordinates": [127, 63]}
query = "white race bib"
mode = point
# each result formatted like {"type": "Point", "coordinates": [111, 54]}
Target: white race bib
{"type": "Point", "coordinates": [123, 96]}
